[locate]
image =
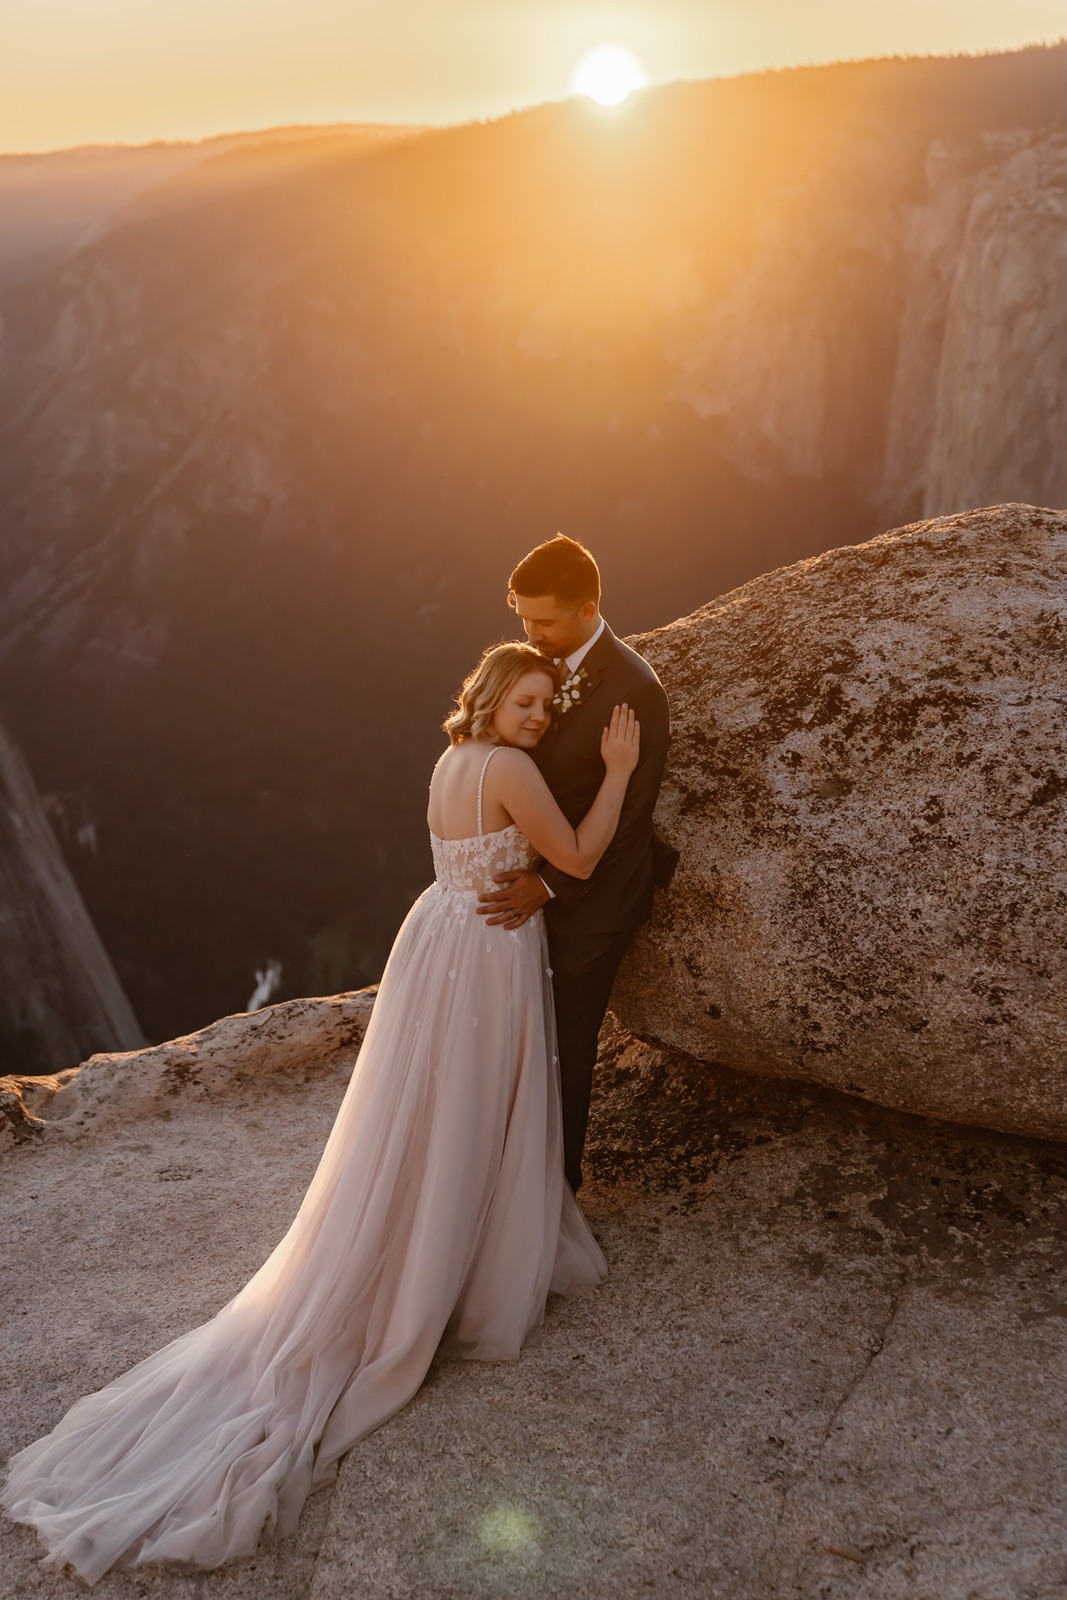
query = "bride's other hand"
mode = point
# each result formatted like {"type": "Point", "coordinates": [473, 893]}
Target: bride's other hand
{"type": "Point", "coordinates": [620, 743]}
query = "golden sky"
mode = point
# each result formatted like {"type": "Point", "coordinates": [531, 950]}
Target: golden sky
{"type": "Point", "coordinates": [129, 71]}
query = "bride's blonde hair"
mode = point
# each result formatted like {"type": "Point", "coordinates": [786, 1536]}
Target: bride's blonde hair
{"type": "Point", "coordinates": [485, 688]}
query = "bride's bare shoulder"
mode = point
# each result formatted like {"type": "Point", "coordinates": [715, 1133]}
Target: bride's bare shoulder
{"type": "Point", "coordinates": [515, 766]}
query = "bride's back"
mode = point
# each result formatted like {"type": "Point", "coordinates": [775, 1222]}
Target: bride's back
{"type": "Point", "coordinates": [452, 812]}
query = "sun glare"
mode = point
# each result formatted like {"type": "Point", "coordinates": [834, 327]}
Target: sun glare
{"type": "Point", "coordinates": [608, 74]}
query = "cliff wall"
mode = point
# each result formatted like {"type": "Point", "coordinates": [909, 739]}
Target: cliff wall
{"type": "Point", "coordinates": [59, 996]}
{"type": "Point", "coordinates": [916, 349]}
{"type": "Point", "coordinates": [1001, 394]}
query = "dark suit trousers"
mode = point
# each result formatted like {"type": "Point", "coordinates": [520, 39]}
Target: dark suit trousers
{"type": "Point", "coordinates": [583, 971]}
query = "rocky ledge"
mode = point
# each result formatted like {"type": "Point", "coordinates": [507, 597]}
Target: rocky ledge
{"type": "Point", "coordinates": [821, 1365]}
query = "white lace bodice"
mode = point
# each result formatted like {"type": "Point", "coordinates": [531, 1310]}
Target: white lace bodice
{"type": "Point", "coordinates": [470, 863]}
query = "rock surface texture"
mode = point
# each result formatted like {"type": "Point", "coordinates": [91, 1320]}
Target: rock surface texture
{"type": "Point", "coordinates": [819, 1369]}
{"type": "Point", "coordinates": [119, 1088]}
{"type": "Point", "coordinates": [59, 995]}
{"type": "Point", "coordinates": [866, 783]}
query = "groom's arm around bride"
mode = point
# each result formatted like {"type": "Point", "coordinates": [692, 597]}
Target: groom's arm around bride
{"type": "Point", "coordinates": [556, 592]}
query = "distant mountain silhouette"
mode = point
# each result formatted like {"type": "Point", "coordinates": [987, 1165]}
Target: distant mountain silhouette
{"type": "Point", "coordinates": [275, 433]}
{"type": "Point", "coordinates": [55, 203]}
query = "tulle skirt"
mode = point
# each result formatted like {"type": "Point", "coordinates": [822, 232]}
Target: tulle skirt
{"type": "Point", "coordinates": [437, 1217]}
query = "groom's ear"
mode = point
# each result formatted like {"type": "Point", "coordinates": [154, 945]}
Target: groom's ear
{"type": "Point", "coordinates": [587, 610]}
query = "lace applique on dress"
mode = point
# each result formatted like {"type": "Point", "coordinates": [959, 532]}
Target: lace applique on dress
{"type": "Point", "coordinates": [469, 864]}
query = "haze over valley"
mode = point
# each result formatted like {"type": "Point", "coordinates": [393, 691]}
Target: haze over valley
{"type": "Point", "coordinates": [280, 413]}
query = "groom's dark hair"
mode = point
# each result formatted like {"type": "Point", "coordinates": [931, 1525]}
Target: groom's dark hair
{"type": "Point", "coordinates": [561, 567]}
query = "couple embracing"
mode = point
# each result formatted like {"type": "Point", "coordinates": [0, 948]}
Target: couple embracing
{"type": "Point", "coordinates": [442, 1212]}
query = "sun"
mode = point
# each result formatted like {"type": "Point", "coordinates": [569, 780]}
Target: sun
{"type": "Point", "coordinates": [608, 74]}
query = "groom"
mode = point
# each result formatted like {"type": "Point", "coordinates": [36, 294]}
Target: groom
{"type": "Point", "coordinates": [556, 592]}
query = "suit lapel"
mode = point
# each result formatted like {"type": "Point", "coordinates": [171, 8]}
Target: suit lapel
{"type": "Point", "coordinates": [595, 666]}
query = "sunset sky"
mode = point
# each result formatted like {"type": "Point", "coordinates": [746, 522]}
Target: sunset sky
{"type": "Point", "coordinates": [85, 71]}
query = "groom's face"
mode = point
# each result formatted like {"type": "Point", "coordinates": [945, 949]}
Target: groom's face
{"type": "Point", "coordinates": [551, 626]}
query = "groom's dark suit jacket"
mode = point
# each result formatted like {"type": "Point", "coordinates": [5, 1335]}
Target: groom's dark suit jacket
{"type": "Point", "coordinates": [618, 897]}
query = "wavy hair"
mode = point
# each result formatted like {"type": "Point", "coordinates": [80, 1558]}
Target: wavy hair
{"type": "Point", "coordinates": [485, 688]}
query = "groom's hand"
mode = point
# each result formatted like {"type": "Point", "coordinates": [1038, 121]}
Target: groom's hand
{"type": "Point", "coordinates": [510, 907]}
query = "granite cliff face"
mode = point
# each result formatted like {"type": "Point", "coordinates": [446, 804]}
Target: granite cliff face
{"type": "Point", "coordinates": [59, 997]}
{"type": "Point", "coordinates": [866, 783]}
{"type": "Point", "coordinates": [955, 393]}
{"type": "Point", "coordinates": [997, 431]}
{"type": "Point", "coordinates": [979, 385]}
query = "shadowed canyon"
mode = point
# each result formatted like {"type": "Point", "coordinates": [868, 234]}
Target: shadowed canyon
{"type": "Point", "coordinates": [280, 413]}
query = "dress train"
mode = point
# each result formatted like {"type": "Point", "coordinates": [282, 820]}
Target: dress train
{"type": "Point", "coordinates": [438, 1217]}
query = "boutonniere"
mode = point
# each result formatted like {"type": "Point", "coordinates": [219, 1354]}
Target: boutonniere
{"type": "Point", "coordinates": [570, 692]}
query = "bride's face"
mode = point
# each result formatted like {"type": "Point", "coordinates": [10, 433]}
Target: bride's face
{"type": "Point", "coordinates": [525, 711]}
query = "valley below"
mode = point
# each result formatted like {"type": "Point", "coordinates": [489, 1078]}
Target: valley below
{"type": "Point", "coordinates": [280, 415]}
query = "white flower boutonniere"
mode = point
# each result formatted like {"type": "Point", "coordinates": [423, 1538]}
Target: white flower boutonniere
{"type": "Point", "coordinates": [570, 692]}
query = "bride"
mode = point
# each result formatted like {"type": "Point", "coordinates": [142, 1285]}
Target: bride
{"type": "Point", "coordinates": [438, 1216]}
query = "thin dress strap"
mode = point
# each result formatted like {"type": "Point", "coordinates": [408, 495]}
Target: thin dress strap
{"type": "Point", "coordinates": [481, 781]}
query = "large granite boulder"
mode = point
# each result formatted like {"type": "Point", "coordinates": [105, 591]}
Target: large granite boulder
{"type": "Point", "coordinates": [866, 783]}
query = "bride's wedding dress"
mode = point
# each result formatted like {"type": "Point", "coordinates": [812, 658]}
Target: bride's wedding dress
{"type": "Point", "coordinates": [438, 1217]}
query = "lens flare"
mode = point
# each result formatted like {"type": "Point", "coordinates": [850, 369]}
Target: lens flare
{"type": "Point", "coordinates": [508, 1531]}
{"type": "Point", "coordinates": [608, 75]}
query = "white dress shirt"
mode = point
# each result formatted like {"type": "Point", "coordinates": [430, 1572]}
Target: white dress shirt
{"type": "Point", "coordinates": [575, 659]}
